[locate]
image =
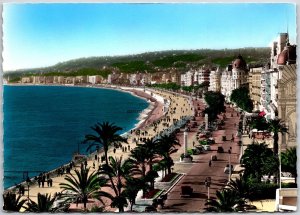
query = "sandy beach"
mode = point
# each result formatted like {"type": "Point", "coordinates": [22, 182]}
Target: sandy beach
{"type": "Point", "coordinates": [178, 107]}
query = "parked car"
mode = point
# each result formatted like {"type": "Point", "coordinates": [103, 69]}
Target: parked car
{"type": "Point", "coordinates": [200, 148]}
{"type": "Point", "coordinates": [226, 169]}
{"type": "Point", "coordinates": [210, 140]}
{"type": "Point", "coordinates": [206, 147]}
{"type": "Point", "coordinates": [220, 149]}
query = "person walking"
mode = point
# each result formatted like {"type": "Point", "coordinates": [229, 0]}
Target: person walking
{"type": "Point", "coordinates": [209, 163]}
{"type": "Point", "coordinates": [39, 181]}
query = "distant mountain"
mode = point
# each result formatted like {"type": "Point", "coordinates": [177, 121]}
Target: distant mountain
{"type": "Point", "coordinates": [151, 62]}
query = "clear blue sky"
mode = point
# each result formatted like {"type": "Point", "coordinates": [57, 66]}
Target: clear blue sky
{"type": "Point", "coordinates": [37, 35]}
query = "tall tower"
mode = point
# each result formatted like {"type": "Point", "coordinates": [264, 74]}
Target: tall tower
{"type": "Point", "coordinates": [282, 40]}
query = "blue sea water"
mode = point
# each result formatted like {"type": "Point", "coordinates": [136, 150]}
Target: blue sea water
{"type": "Point", "coordinates": [44, 124]}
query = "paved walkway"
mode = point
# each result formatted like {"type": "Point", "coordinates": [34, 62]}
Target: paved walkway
{"type": "Point", "coordinates": [197, 172]}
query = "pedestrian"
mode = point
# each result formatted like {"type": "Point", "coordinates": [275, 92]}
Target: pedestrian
{"type": "Point", "coordinates": [94, 165]}
{"type": "Point", "coordinates": [50, 182]}
{"type": "Point", "coordinates": [95, 157]}
{"type": "Point", "coordinates": [209, 163]}
{"type": "Point", "coordinates": [114, 150]}
{"type": "Point", "coordinates": [85, 163]}
{"type": "Point", "coordinates": [128, 147]}
{"type": "Point", "coordinates": [39, 181]}
{"type": "Point", "coordinates": [193, 143]}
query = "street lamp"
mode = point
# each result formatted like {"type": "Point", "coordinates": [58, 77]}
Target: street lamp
{"type": "Point", "coordinates": [229, 152]}
{"type": "Point", "coordinates": [28, 183]}
{"type": "Point", "coordinates": [207, 184]}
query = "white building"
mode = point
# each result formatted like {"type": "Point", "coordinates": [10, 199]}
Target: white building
{"type": "Point", "coordinates": [239, 72]}
{"type": "Point", "coordinates": [215, 80]}
{"type": "Point", "coordinates": [235, 76]}
{"type": "Point", "coordinates": [187, 79]}
{"type": "Point", "coordinates": [203, 75]}
{"type": "Point", "coordinates": [95, 79]}
{"type": "Point", "coordinates": [26, 80]}
{"type": "Point", "coordinates": [226, 82]}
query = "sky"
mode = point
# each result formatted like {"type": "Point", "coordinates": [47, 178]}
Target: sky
{"type": "Point", "coordinates": [39, 35]}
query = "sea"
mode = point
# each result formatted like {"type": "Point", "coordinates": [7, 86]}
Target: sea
{"type": "Point", "coordinates": [45, 125]}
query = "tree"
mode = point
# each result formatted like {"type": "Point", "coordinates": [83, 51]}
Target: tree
{"type": "Point", "coordinates": [139, 160]}
{"type": "Point", "coordinates": [44, 204]}
{"type": "Point", "coordinates": [260, 123]}
{"type": "Point", "coordinates": [276, 126]}
{"type": "Point", "coordinates": [254, 159]}
{"type": "Point", "coordinates": [241, 98]}
{"type": "Point", "coordinates": [215, 102]}
{"type": "Point", "coordinates": [167, 146]}
{"type": "Point", "coordinates": [117, 171]}
{"type": "Point", "coordinates": [12, 202]}
{"type": "Point", "coordinates": [289, 162]}
{"type": "Point", "coordinates": [227, 201]}
{"type": "Point", "coordinates": [241, 187]}
{"type": "Point", "coordinates": [150, 153]}
{"type": "Point", "coordinates": [107, 135]}
{"type": "Point", "coordinates": [84, 186]}
{"type": "Point", "coordinates": [133, 186]}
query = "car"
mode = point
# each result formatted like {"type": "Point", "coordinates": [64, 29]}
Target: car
{"type": "Point", "coordinates": [226, 169]}
{"type": "Point", "coordinates": [220, 149]}
{"type": "Point", "coordinates": [210, 140]}
{"type": "Point", "coordinates": [200, 148]}
{"type": "Point", "coordinates": [206, 147]}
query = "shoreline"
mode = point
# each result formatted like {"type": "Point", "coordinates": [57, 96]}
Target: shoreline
{"type": "Point", "coordinates": [176, 113]}
{"type": "Point", "coordinates": [142, 119]}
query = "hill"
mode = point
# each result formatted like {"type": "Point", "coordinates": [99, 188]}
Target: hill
{"type": "Point", "coordinates": [182, 60]}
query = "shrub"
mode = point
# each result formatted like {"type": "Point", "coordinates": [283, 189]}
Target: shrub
{"type": "Point", "coordinates": [263, 191]}
{"type": "Point", "coordinates": [203, 142]}
{"type": "Point", "coordinates": [289, 185]}
{"type": "Point", "coordinates": [190, 151]}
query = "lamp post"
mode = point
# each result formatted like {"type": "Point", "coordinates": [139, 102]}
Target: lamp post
{"type": "Point", "coordinates": [279, 154]}
{"type": "Point", "coordinates": [28, 182]}
{"type": "Point", "coordinates": [207, 184]}
{"type": "Point", "coordinates": [229, 176]}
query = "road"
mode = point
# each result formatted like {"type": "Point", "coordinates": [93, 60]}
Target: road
{"type": "Point", "coordinates": [197, 172]}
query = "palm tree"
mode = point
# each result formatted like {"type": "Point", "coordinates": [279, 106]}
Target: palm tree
{"type": "Point", "coordinates": [139, 160]}
{"type": "Point", "coordinates": [12, 202]}
{"type": "Point", "coordinates": [227, 201]}
{"type": "Point", "coordinates": [241, 187]}
{"type": "Point", "coordinates": [107, 135]}
{"type": "Point", "coordinates": [151, 151]}
{"type": "Point", "coordinates": [276, 126]}
{"type": "Point", "coordinates": [117, 171]}
{"type": "Point", "coordinates": [84, 186]}
{"type": "Point", "coordinates": [44, 204]}
{"type": "Point", "coordinates": [167, 146]}
{"type": "Point", "coordinates": [289, 162]}
{"type": "Point", "coordinates": [254, 159]}
{"type": "Point", "coordinates": [133, 186]}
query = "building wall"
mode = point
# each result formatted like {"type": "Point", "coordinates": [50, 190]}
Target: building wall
{"type": "Point", "coordinates": [256, 88]}
{"type": "Point", "coordinates": [287, 103]}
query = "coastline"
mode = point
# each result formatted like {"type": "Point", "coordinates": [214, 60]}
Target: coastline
{"type": "Point", "coordinates": [177, 103]}
{"type": "Point", "coordinates": [145, 117]}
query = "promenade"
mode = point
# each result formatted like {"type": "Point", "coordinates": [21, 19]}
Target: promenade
{"type": "Point", "coordinates": [197, 171]}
